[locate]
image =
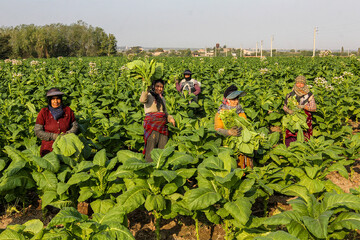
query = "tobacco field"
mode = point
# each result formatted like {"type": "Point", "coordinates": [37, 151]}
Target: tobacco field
{"type": "Point", "coordinates": [195, 176]}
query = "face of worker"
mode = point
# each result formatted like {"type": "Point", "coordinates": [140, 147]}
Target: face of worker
{"type": "Point", "coordinates": [233, 102]}
{"type": "Point", "coordinates": [159, 88]}
{"type": "Point", "coordinates": [300, 84]}
{"type": "Point", "coordinates": [55, 101]}
{"type": "Point", "coordinates": [187, 76]}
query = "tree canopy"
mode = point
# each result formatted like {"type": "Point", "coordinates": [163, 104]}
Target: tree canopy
{"type": "Point", "coordinates": [78, 39]}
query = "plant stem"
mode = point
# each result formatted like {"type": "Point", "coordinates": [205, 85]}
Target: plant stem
{"type": "Point", "coordinates": [196, 226]}
{"type": "Point", "coordinates": [266, 201]}
{"type": "Point", "coordinates": [226, 230]}
{"type": "Point", "coordinates": [157, 225]}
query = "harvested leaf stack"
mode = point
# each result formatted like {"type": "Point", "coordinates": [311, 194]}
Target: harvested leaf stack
{"type": "Point", "coordinates": [145, 70]}
{"type": "Point", "coordinates": [248, 141]}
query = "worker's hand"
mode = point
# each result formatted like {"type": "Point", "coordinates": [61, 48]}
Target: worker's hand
{"type": "Point", "coordinates": [54, 136]}
{"type": "Point", "coordinates": [172, 121]}
{"type": "Point", "coordinates": [176, 80]}
{"type": "Point", "coordinates": [300, 106]}
{"type": "Point", "coordinates": [289, 111]}
{"type": "Point", "coordinates": [235, 131]}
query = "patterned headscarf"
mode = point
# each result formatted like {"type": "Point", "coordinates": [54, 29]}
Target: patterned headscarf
{"type": "Point", "coordinates": [301, 91]}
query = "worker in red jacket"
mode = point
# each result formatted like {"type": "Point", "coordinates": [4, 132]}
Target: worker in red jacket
{"type": "Point", "coordinates": [53, 120]}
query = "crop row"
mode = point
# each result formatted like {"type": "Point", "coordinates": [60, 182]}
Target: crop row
{"type": "Point", "coordinates": [195, 174]}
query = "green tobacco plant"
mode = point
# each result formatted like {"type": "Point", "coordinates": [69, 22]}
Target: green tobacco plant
{"type": "Point", "coordinates": [333, 217]}
{"type": "Point", "coordinates": [109, 225]}
{"type": "Point", "coordinates": [309, 163]}
{"type": "Point", "coordinates": [222, 193]}
{"type": "Point", "coordinates": [157, 186]}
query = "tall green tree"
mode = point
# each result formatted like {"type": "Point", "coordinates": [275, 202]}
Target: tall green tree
{"type": "Point", "coordinates": [5, 47]}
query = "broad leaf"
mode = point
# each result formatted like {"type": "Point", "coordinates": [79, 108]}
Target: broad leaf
{"type": "Point", "coordinates": [78, 177]}
{"type": "Point", "coordinates": [102, 206]}
{"type": "Point", "coordinates": [9, 234]}
{"type": "Point", "coordinates": [239, 210]}
{"type": "Point", "coordinates": [168, 175]}
{"type": "Point", "coordinates": [155, 202]}
{"type": "Point", "coordinates": [49, 162]}
{"type": "Point", "coordinates": [201, 198]}
{"type": "Point", "coordinates": [100, 158]}
{"type": "Point", "coordinates": [133, 198]}
{"type": "Point", "coordinates": [159, 156]}
{"type": "Point", "coordinates": [67, 215]}
{"type": "Point", "coordinates": [34, 226]}
{"type": "Point", "coordinates": [68, 145]}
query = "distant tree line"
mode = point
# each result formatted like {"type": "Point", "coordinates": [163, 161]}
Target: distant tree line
{"type": "Point", "coordinates": [78, 39]}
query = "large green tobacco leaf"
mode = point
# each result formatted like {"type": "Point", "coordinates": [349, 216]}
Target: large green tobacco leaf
{"type": "Point", "coordinates": [113, 215]}
{"type": "Point", "coordinates": [296, 190]}
{"type": "Point", "coordinates": [21, 179]}
{"type": "Point", "coordinates": [67, 215]}
{"type": "Point", "coordinates": [347, 220]}
{"type": "Point", "coordinates": [78, 177]}
{"type": "Point", "coordinates": [239, 210]}
{"type": "Point", "coordinates": [155, 202]}
{"type": "Point", "coordinates": [297, 229]}
{"type": "Point", "coordinates": [2, 164]}
{"type": "Point", "coordinates": [68, 145]}
{"type": "Point", "coordinates": [102, 206]}
{"type": "Point", "coordinates": [313, 185]}
{"type": "Point", "coordinates": [120, 173]}
{"type": "Point", "coordinates": [332, 200]}
{"type": "Point", "coordinates": [283, 218]}
{"type": "Point", "coordinates": [10, 234]}
{"type": "Point", "coordinates": [49, 162]}
{"type": "Point", "coordinates": [100, 158]}
{"type": "Point", "coordinates": [201, 198]}
{"type": "Point", "coordinates": [15, 154]}
{"type": "Point", "coordinates": [168, 175]}
{"type": "Point", "coordinates": [318, 227]}
{"type": "Point", "coordinates": [14, 167]}
{"type": "Point", "coordinates": [46, 180]}
{"type": "Point", "coordinates": [133, 198]}
{"type": "Point", "coordinates": [124, 155]}
{"type": "Point", "coordinates": [179, 159]}
{"type": "Point", "coordinates": [118, 231]}
{"type": "Point", "coordinates": [186, 172]}
{"type": "Point", "coordinates": [159, 156]}
{"type": "Point", "coordinates": [135, 164]}
{"type": "Point", "coordinates": [57, 235]}
{"type": "Point", "coordinates": [279, 235]}
{"type": "Point", "coordinates": [47, 198]}
{"type": "Point", "coordinates": [34, 226]}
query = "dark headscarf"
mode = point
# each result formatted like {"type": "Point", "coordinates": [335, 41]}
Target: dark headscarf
{"type": "Point", "coordinates": [187, 72]}
{"type": "Point", "coordinates": [158, 99]}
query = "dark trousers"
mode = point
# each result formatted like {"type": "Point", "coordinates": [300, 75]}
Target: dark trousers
{"type": "Point", "coordinates": [155, 140]}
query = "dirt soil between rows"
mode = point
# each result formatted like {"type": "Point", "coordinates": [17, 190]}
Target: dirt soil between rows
{"type": "Point", "coordinates": [182, 227]}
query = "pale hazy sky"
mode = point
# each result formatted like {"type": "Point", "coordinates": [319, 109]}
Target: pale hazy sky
{"type": "Point", "coordinates": [202, 23]}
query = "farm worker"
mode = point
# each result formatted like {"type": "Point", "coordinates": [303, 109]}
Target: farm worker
{"type": "Point", "coordinates": [156, 117]}
{"type": "Point", "coordinates": [53, 120]}
{"type": "Point", "coordinates": [306, 101]}
{"type": "Point", "coordinates": [231, 101]}
{"type": "Point", "coordinates": [189, 84]}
